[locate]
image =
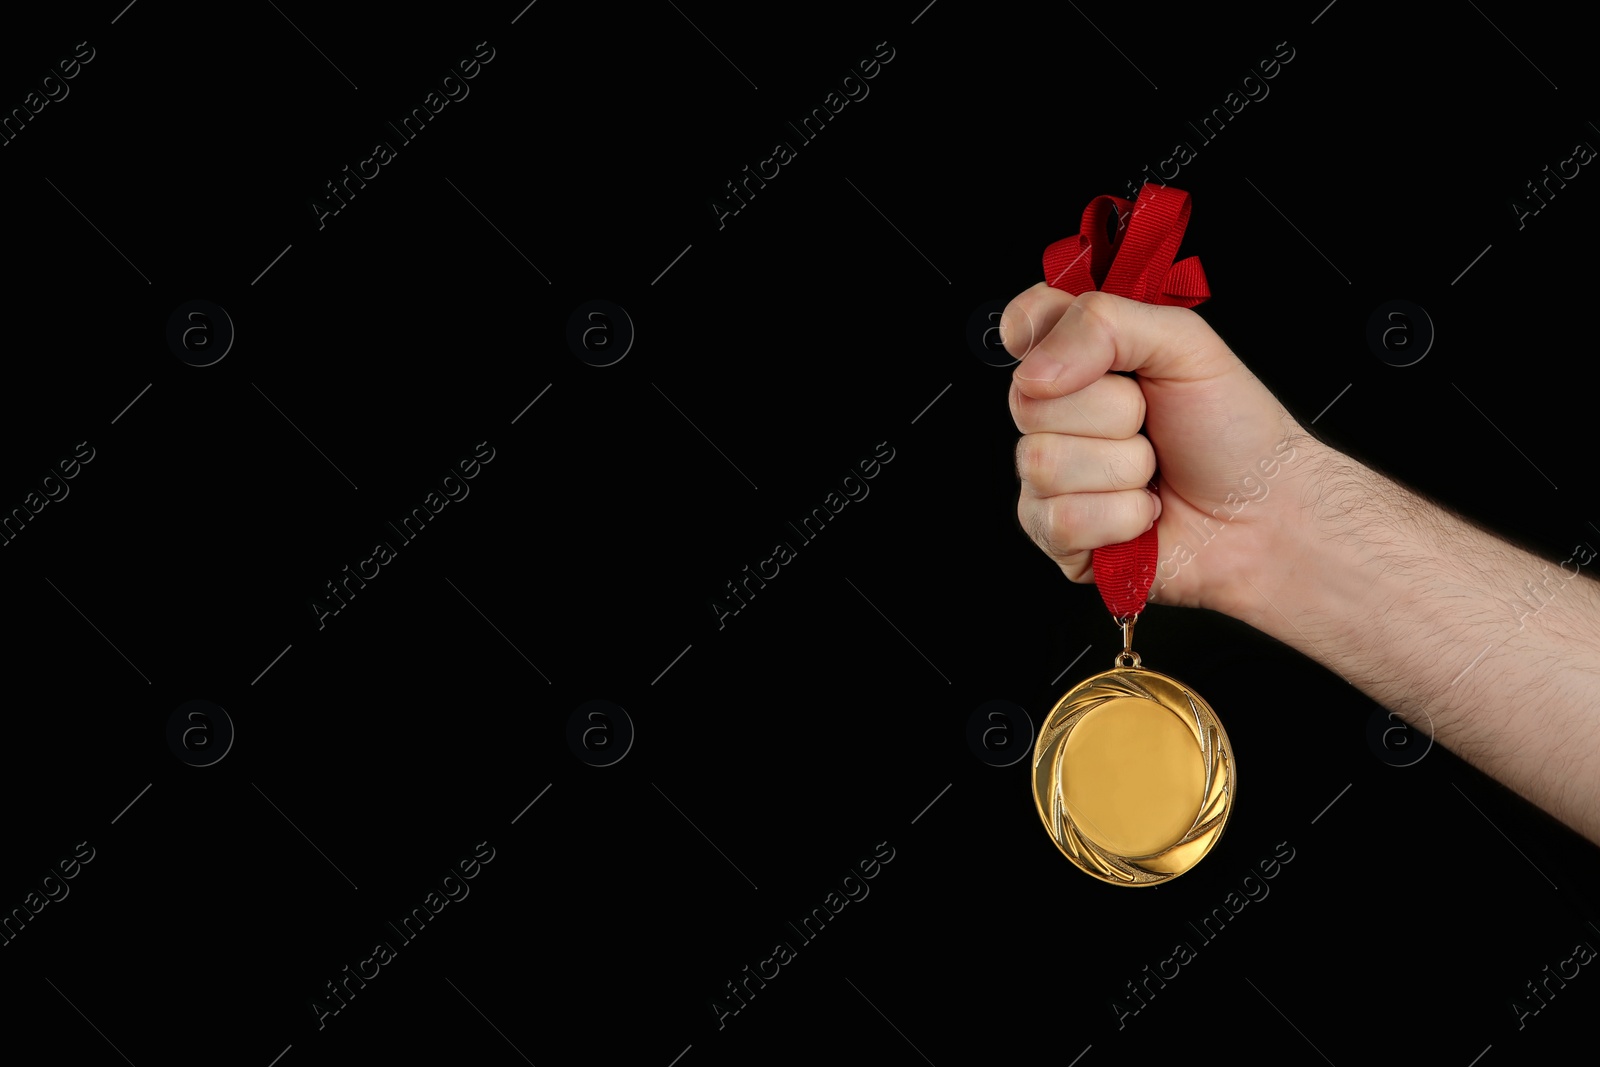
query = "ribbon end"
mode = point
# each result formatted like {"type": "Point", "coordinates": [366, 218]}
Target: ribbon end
{"type": "Point", "coordinates": [1185, 284]}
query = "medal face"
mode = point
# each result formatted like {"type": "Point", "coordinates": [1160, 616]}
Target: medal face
{"type": "Point", "coordinates": [1133, 776]}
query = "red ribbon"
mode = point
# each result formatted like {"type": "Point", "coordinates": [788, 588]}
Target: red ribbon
{"type": "Point", "coordinates": [1127, 249]}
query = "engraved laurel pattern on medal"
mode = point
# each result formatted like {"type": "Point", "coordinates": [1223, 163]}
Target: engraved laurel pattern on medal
{"type": "Point", "coordinates": [1215, 753]}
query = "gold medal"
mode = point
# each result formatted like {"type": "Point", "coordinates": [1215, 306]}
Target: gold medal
{"type": "Point", "coordinates": [1133, 774]}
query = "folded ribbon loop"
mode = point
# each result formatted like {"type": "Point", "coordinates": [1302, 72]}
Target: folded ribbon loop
{"type": "Point", "coordinates": [1127, 249]}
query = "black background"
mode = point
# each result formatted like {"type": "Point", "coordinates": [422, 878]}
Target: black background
{"type": "Point", "coordinates": [828, 716]}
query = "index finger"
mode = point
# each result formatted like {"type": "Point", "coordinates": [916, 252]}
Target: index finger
{"type": "Point", "coordinates": [1030, 316]}
{"type": "Point", "coordinates": [1097, 332]}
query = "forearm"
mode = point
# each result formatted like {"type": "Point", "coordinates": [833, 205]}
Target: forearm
{"type": "Point", "coordinates": [1492, 649]}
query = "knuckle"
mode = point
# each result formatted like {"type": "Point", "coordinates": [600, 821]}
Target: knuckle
{"type": "Point", "coordinates": [1098, 311]}
{"type": "Point", "coordinates": [1032, 459]}
{"type": "Point", "coordinates": [1016, 325]}
{"type": "Point", "coordinates": [1187, 319]}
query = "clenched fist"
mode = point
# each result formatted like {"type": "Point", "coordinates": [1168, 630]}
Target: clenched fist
{"type": "Point", "coordinates": [1230, 457]}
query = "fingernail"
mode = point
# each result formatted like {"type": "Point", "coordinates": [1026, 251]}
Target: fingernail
{"type": "Point", "coordinates": [1039, 369]}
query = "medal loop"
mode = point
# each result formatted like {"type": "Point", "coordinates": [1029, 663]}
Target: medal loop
{"type": "Point", "coordinates": [1127, 657]}
{"type": "Point", "coordinates": [1127, 249]}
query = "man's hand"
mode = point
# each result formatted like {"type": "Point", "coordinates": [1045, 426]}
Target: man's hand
{"type": "Point", "coordinates": [1230, 456]}
{"type": "Point", "coordinates": [1489, 648]}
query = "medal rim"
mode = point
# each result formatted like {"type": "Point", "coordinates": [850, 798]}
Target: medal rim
{"type": "Point", "coordinates": [1225, 763]}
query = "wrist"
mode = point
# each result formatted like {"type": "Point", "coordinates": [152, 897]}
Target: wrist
{"type": "Point", "coordinates": [1313, 574]}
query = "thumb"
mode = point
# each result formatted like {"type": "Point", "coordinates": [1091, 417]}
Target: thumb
{"type": "Point", "coordinates": [1099, 332]}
